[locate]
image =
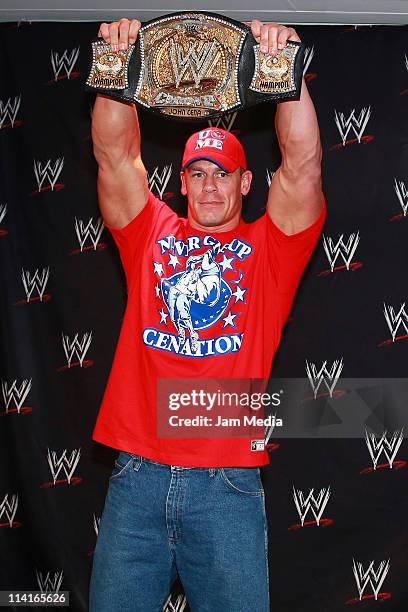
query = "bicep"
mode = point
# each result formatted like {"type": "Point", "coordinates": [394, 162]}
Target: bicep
{"type": "Point", "coordinates": [294, 203]}
{"type": "Point", "coordinates": [287, 255]}
{"type": "Point", "coordinates": [122, 190]}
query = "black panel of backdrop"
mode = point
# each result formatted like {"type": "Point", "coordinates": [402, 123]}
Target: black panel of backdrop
{"type": "Point", "coordinates": [63, 296]}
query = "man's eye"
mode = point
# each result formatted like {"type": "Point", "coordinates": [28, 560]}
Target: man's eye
{"type": "Point", "coordinates": [222, 174]}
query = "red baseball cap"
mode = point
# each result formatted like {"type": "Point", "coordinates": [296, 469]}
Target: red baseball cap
{"type": "Point", "coordinates": [217, 146]}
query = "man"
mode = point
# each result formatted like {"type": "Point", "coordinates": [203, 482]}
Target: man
{"type": "Point", "coordinates": [207, 298]}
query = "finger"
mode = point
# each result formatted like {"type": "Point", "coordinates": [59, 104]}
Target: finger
{"type": "Point", "coordinates": [264, 39]}
{"type": "Point", "coordinates": [113, 33]}
{"type": "Point", "coordinates": [104, 32]}
{"type": "Point", "coordinates": [256, 26]}
{"type": "Point", "coordinates": [135, 26]}
{"type": "Point", "coordinates": [273, 40]}
{"type": "Point", "coordinates": [283, 36]}
{"type": "Point", "coordinates": [123, 33]}
{"type": "Point", "coordinates": [293, 35]}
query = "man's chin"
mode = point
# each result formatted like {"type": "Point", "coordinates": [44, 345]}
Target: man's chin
{"type": "Point", "coordinates": [210, 222]}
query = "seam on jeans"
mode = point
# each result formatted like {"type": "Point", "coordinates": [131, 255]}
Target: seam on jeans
{"type": "Point", "coordinates": [260, 493]}
{"type": "Point", "coordinates": [182, 487]}
{"type": "Point", "coordinates": [123, 454]}
{"type": "Point", "coordinates": [169, 527]}
{"type": "Point", "coordinates": [124, 469]}
{"type": "Point", "coordinates": [266, 538]}
{"type": "Point", "coordinates": [137, 463]}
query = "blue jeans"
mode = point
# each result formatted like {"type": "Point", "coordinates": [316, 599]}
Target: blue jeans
{"type": "Point", "coordinates": [206, 525]}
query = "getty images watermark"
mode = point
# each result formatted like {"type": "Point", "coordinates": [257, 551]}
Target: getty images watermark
{"type": "Point", "coordinates": [317, 406]}
{"type": "Point", "coordinates": [215, 407]}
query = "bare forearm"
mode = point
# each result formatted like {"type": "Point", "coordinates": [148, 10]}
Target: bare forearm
{"type": "Point", "coordinates": [115, 129]}
{"type": "Point", "coordinates": [298, 134]}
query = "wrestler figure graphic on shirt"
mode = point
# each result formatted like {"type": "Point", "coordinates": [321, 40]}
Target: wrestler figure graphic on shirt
{"type": "Point", "coordinates": [200, 284]}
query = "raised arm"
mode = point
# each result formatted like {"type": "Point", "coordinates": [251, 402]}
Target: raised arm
{"type": "Point", "coordinates": [122, 178]}
{"type": "Point", "coordinates": [295, 197]}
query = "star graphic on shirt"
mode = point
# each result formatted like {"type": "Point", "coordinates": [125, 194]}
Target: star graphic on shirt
{"type": "Point", "coordinates": [158, 268]}
{"type": "Point", "coordinates": [157, 288]}
{"type": "Point", "coordinates": [239, 294]}
{"type": "Point", "coordinates": [173, 261]}
{"type": "Point", "coordinates": [229, 319]}
{"type": "Point", "coordinates": [226, 263]}
{"type": "Point", "coordinates": [163, 316]}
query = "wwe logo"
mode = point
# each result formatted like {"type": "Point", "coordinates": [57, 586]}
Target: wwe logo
{"type": "Point", "coordinates": [63, 463]}
{"type": "Point", "coordinates": [3, 210]}
{"type": "Point", "coordinates": [269, 176]}
{"type": "Point", "coordinates": [335, 250]}
{"type": "Point", "coordinates": [35, 282]}
{"type": "Point", "coordinates": [369, 576]}
{"type": "Point", "coordinates": [48, 172]}
{"type": "Point", "coordinates": [309, 53]}
{"type": "Point", "coordinates": [96, 523]}
{"type": "Point", "coordinates": [315, 505]}
{"type": "Point", "coordinates": [89, 231]}
{"type": "Point", "coordinates": [358, 125]}
{"type": "Point", "coordinates": [159, 181]}
{"type": "Point", "coordinates": [383, 445]}
{"type": "Point", "coordinates": [23, 21]}
{"type": "Point", "coordinates": [269, 429]}
{"type": "Point", "coordinates": [16, 395]}
{"type": "Point", "coordinates": [402, 195]}
{"type": "Point", "coordinates": [72, 347]}
{"type": "Point", "coordinates": [9, 509]}
{"type": "Point", "coordinates": [46, 584]}
{"type": "Point", "coordinates": [197, 61]}
{"type": "Point", "coordinates": [323, 375]}
{"type": "Point", "coordinates": [65, 60]}
{"type": "Point", "coordinates": [395, 320]}
{"type": "Point", "coordinates": [177, 606]}
{"type": "Point", "coordinates": [9, 110]}
{"type": "Point", "coordinates": [225, 122]}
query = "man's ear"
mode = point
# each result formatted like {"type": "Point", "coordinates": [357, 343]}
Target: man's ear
{"type": "Point", "coordinates": [246, 180]}
{"type": "Point", "coordinates": [183, 183]}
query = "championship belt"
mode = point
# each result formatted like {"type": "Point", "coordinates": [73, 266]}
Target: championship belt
{"type": "Point", "coordinates": [195, 65]}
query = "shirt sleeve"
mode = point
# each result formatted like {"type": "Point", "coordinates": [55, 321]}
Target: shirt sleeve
{"type": "Point", "coordinates": [132, 239]}
{"type": "Point", "coordinates": [288, 256]}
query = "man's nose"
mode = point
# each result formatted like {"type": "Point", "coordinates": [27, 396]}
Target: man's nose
{"type": "Point", "coordinates": [209, 184]}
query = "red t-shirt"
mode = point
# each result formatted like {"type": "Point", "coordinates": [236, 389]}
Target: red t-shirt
{"type": "Point", "coordinates": [202, 305]}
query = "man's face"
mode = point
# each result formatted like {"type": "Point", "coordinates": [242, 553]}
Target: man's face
{"type": "Point", "coordinates": [214, 196]}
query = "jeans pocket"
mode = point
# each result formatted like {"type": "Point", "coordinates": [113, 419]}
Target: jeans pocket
{"type": "Point", "coordinates": [122, 464]}
{"type": "Point", "coordinates": [246, 480]}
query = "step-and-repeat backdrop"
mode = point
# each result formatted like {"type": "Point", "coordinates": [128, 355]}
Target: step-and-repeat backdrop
{"type": "Point", "coordinates": [336, 506]}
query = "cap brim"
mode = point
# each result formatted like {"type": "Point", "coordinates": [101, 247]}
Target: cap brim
{"type": "Point", "coordinates": [222, 162]}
